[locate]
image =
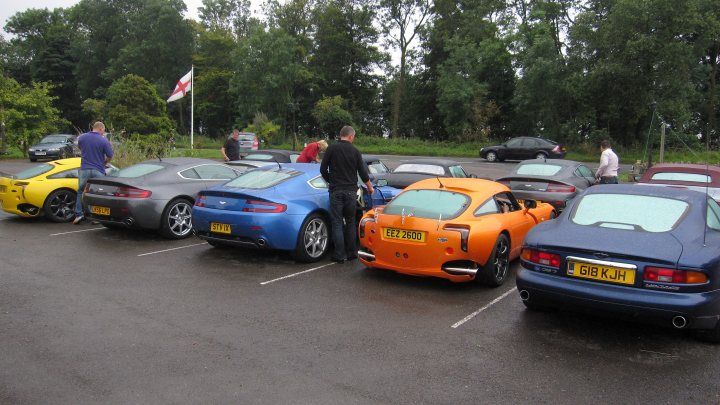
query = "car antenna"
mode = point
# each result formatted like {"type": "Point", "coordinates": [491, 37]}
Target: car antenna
{"type": "Point", "coordinates": [441, 185]}
{"type": "Point", "coordinates": [278, 163]}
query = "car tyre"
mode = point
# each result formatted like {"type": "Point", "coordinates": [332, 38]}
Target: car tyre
{"type": "Point", "coordinates": [496, 270]}
{"type": "Point", "coordinates": [176, 220]}
{"type": "Point", "coordinates": [491, 156]}
{"type": "Point", "coordinates": [59, 206]}
{"type": "Point", "coordinates": [540, 155]}
{"type": "Point", "coordinates": [313, 240]}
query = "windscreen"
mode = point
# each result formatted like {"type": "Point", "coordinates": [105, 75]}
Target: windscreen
{"type": "Point", "coordinates": [678, 176]}
{"type": "Point", "coordinates": [54, 139]}
{"type": "Point", "coordinates": [539, 169]}
{"type": "Point", "coordinates": [258, 179]}
{"type": "Point", "coordinates": [260, 156]}
{"type": "Point", "coordinates": [432, 204]}
{"type": "Point", "coordinates": [138, 170]}
{"type": "Point", "coordinates": [33, 171]}
{"type": "Point", "coordinates": [631, 212]}
{"type": "Point", "coordinates": [420, 168]}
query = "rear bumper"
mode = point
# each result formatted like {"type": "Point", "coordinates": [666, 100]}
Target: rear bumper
{"type": "Point", "coordinates": [702, 310]}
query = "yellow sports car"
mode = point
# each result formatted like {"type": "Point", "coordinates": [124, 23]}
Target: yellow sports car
{"type": "Point", "coordinates": [47, 189]}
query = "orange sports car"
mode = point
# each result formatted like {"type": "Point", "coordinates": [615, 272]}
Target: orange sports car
{"type": "Point", "coordinates": [460, 229]}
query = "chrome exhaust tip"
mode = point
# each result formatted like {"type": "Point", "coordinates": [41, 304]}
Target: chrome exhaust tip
{"type": "Point", "coordinates": [524, 295]}
{"type": "Point", "coordinates": [366, 255]}
{"type": "Point", "coordinates": [261, 242]}
{"type": "Point", "coordinates": [129, 222]}
{"type": "Point", "coordinates": [679, 322]}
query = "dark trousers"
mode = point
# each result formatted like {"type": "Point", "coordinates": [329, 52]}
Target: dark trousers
{"type": "Point", "coordinates": [342, 216]}
{"type": "Point", "coordinates": [608, 180]}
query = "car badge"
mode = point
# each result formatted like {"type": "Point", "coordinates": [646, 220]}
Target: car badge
{"type": "Point", "coordinates": [442, 240]}
{"type": "Point", "coordinates": [223, 202]}
{"type": "Point", "coordinates": [600, 255]}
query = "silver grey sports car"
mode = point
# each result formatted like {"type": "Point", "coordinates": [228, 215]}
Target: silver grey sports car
{"type": "Point", "coordinates": [555, 181]}
{"type": "Point", "coordinates": [155, 194]}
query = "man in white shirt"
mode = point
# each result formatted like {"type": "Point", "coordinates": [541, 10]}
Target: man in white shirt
{"type": "Point", "coordinates": [608, 170]}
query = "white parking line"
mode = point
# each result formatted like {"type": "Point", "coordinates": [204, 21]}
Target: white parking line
{"type": "Point", "coordinates": [493, 302]}
{"type": "Point", "coordinates": [82, 230]}
{"type": "Point", "coordinates": [296, 274]}
{"type": "Point", "coordinates": [168, 250]}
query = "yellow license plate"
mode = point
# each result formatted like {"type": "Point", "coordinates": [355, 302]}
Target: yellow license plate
{"type": "Point", "coordinates": [601, 272]}
{"type": "Point", "coordinates": [404, 234]}
{"type": "Point", "coordinates": [100, 210]}
{"type": "Point", "coordinates": [219, 228]}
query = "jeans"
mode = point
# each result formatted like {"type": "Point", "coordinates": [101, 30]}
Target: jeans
{"type": "Point", "coordinates": [608, 180]}
{"type": "Point", "coordinates": [342, 207]}
{"type": "Point", "coordinates": [83, 176]}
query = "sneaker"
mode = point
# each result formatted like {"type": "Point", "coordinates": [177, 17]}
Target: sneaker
{"type": "Point", "coordinates": [77, 220]}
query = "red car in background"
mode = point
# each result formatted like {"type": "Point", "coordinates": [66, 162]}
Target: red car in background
{"type": "Point", "coordinates": [704, 178]}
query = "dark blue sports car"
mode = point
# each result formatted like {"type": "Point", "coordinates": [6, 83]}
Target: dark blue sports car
{"type": "Point", "coordinates": [649, 253]}
{"type": "Point", "coordinates": [281, 206]}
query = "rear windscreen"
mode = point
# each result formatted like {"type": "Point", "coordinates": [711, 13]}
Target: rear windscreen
{"type": "Point", "coordinates": [631, 212]}
{"type": "Point", "coordinates": [539, 169]}
{"type": "Point", "coordinates": [138, 170]}
{"type": "Point", "coordinates": [676, 176]}
{"type": "Point", "coordinates": [257, 179]}
{"type": "Point", "coordinates": [433, 204]}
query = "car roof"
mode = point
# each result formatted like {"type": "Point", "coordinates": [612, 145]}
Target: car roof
{"type": "Point", "coordinates": [694, 197]}
{"type": "Point", "coordinates": [181, 161]}
{"type": "Point", "coordinates": [438, 162]}
{"type": "Point", "coordinates": [711, 170]}
{"type": "Point", "coordinates": [559, 162]}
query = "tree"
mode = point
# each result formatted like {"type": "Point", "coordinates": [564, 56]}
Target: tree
{"type": "Point", "coordinates": [331, 116]}
{"type": "Point", "coordinates": [27, 111]}
{"type": "Point", "coordinates": [401, 21]}
{"type": "Point", "coordinates": [231, 16]}
{"type": "Point", "coordinates": [134, 106]}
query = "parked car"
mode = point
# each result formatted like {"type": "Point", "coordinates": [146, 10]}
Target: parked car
{"type": "Point", "coordinates": [155, 194]}
{"type": "Point", "coordinates": [249, 142]}
{"type": "Point", "coordinates": [375, 165]}
{"type": "Point", "coordinates": [645, 253]}
{"type": "Point", "coordinates": [273, 155]}
{"type": "Point", "coordinates": [414, 170]}
{"type": "Point", "coordinates": [555, 181]}
{"type": "Point", "coordinates": [56, 146]}
{"type": "Point", "coordinates": [459, 229]}
{"type": "Point", "coordinates": [523, 147]}
{"type": "Point", "coordinates": [281, 207]}
{"type": "Point", "coordinates": [48, 189]}
{"type": "Point", "coordinates": [703, 178]}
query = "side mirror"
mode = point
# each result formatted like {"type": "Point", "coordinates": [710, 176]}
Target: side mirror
{"type": "Point", "coordinates": [530, 204]}
{"type": "Point", "coordinates": [473, 176]}
{"type": "Point", "coordinates": [381, 183]}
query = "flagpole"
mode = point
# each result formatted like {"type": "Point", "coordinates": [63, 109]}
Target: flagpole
{"type": "Point", "coordinates": [192, 104]}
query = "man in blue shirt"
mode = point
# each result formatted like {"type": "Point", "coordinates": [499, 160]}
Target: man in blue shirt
{"type": "Point", "coordinates": [96, 153]}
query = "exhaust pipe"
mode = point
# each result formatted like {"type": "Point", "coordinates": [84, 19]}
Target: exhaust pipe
{"type": "Point", "coordinates": [261, 242]}
{"type": "Point", "coordinates": [525, 295]}
{"type": "Point", "coordinates": [129, 222]}
{"type": "Point", "coordinates": [679, 321]}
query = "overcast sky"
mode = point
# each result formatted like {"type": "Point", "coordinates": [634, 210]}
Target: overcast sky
{"type": "Point", "coordinates": [9, 7]}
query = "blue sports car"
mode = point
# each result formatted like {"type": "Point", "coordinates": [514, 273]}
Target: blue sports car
{"type": "Point", "coordinates": [649, 253]}
{"type": "Point", "coordinates": [282, 206]}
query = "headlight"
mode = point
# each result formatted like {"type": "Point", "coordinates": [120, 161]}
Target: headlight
{"type": "Point", "coordinates": [31, 150]}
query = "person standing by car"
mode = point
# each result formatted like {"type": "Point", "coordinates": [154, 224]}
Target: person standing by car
{"type": "Point", "coordinates": [340, 167]}
{"type": "Point", "coordinates": [607, 173]}
{"type": "Point", "coordinates": [231, 149]}
{"type": "Point", "coordinates": [96, 152]}
{"type": "Point", "coordinates": [311, 152]}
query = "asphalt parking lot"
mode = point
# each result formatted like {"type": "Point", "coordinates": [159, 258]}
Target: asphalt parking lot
{"type": "Point", "coordinates": [92, 315]}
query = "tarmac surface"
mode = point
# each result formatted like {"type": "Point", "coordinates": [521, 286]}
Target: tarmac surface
{"type": "Point", "coordinates": [93, 315]}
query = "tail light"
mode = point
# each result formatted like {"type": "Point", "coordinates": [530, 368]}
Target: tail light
{"type": "Point", "coordinates": [560, 188]}
{"type": "Point", "coordinates": [131, 192]}
{"type": "Point", "coordinates": [255, 144]}
{"type": "Point", "coordinates": [263, 206]}
{"type": "Point", "coordinates": [200, 202]}
{"type": "Point", "coordinates": [556, 149]}
{"type": "Point", "coordinates": [664, 275]}
{"type": "Point", "coordinates": [464, 234]}
{"type": "Point", "coordinates": [540, 257]}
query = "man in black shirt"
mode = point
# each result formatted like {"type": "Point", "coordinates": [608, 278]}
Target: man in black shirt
{"type": "Point", "coordinates": [231, 149]}
{"type": "Point", "coordinates": [340, 167]}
